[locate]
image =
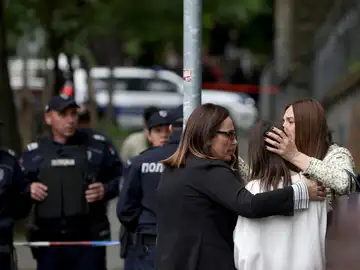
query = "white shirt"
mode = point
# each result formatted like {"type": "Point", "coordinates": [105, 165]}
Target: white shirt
{"type": "Point", "coordinates": [282, 243]}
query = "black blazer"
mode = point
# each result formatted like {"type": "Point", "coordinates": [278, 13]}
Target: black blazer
{"type": "Point", "coordinates": [197, 212]}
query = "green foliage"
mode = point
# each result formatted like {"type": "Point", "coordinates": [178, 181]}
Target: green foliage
{"type": "Point", "coordinates": [234, 11]}
{"type": "Point", "coordinates": [72, 21]}
{"type": "Point", "coordinates": [162, 20]}
{"type": "Point", "coordinates": [68, 21]}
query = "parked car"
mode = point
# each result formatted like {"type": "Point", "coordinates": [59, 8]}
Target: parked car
{"type": "Point", "coordinates": [136, 88]}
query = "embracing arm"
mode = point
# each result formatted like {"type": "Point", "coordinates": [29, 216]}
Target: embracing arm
{"type": "Point", "coordinates": [331, 171]}
{"type": "Point", "coordinates": [244, 169]}
{"type": "Point", "coordinates": [222, 186]}
{"type": "Point", "coordinates": [301, 195]}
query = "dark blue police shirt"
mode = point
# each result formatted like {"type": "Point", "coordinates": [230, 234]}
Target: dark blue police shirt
{"type": "Point", "coordinates": [15, 198]}
{"type": "Point", "coordinates": [111, 166]}
{"type": "Point", "coordinates": [136, 207]}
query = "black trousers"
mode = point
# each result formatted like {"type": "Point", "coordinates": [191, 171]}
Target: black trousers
{"type": "Point", "coordinates": [6, 262]}
{"type": "Point", "coordinates": [71, 258]}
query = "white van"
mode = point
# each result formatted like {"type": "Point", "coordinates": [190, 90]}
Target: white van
{"type": "Point", "coordinates": [137, 88]}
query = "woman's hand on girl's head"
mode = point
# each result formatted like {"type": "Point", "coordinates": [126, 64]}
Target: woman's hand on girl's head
{"type": "Point", "coordinates": [316, 190]}
{"type": "Point", "coordinates": [281, 144]}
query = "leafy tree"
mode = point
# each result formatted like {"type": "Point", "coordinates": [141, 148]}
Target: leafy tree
{"type": "Point", "coordinates": [66, 24]}
{"type": "Point", "coordinates": [10, 133]}
{"type": "Point", "coordinates": [69, 23]}
{"type": "Point", "coordinates": [162, 20]}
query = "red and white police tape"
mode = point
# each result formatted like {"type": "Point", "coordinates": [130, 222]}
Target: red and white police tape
{"type": "Point", "coordinates": [73, 243]}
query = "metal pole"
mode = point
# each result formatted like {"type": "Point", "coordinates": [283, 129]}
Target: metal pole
{"type": "Point", "coordinates": [264, 106]}
{"type": "Point", "coordinates": [192, 56]}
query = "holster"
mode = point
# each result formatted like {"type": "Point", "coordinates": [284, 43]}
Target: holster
{"type": "Point", "coordinates": [142, 241]}
{"type": "Point", "coordinates": [125, 238]}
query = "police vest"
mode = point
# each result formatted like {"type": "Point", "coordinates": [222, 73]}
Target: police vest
{"type": "Point", "coordinates": [65, 170]}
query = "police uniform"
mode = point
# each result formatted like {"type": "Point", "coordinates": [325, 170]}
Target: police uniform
{"type": "Point", "coordinates": [136, 207]}
{"type": "Point", "coordinates": [15, 201]}
{"type": "Point", "coordinates": [65, 215]}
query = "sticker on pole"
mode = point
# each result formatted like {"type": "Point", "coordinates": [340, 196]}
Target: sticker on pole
{"type": "Point", "coordinates": [187, 75]}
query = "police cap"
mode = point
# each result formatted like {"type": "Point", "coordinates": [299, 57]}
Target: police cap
{"type": "Point", "coordinates": [160, 118]}
{"type": "Point", "coordinates": [149, 111]}
{"type": "Point", "coordinates": [60, 103]}
{"type": "Point", "coordinates": [177, 116]}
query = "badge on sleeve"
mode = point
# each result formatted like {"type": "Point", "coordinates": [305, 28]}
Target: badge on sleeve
{"type": "Point", "coordinates": [99, 137]}
{"type": "Point", "coordinates": [32, 146]}
{"type": "Point", "coordinates": [11, 152]}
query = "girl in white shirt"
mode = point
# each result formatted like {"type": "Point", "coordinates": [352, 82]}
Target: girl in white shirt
{"type": "Point", "coordinates": [278, 242]}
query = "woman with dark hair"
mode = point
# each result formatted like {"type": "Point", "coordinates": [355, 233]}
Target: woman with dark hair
{"type": "Point", "coordinates": [201, 195]}
{"type": "Point", "coordinates": [305, 143]}
{"type": "Point", "coordinates": [278, 243]}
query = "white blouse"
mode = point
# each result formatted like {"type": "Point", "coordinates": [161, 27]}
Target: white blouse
{"type": "Point", "coordinates": [279, 242]}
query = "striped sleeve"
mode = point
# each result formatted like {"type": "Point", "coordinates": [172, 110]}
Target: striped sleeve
{"type": "Point", "coordinates": [301, 196]}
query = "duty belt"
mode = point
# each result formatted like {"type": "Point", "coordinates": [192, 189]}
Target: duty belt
{"type": "Point", "coordinates": [144, 238]}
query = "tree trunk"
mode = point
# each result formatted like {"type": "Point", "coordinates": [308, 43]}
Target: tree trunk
{"type": "Point", "coordinates": [54, 77]}
{"type": "Point", "coordinates": [92, 103]}
{"type": "Point", "coordinates": [110, 110]}
{"type": "Point", "coordinates": [26, 108]}
{"type": "Point", "coordinates": [70, 75]}
{"type": "Point", "coordinates": [55, 45]}
{"type": "Point", "coordinates": [283, 36]}
{"type": "Point", "coordinates": [58, 75]}
{"type": "Point", "coordinates": [10, 132]}
{"type": "Point", "coordinates": [89, 62]}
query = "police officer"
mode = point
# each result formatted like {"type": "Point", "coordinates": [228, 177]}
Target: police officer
{"type": "Point", "coordinates": [137, 142]}
{"type": "Point", "coordinates": [176, 127]}
{"type": "Point", "coordinates": [136, 205]}
{"type": "Point", "coordinates": [15, 204]}
{"type": "Point", "coordinates": [156, 134]}
{"type": "Point", "coordinates": [74, 173]}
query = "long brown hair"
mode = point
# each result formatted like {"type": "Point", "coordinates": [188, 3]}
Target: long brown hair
{"type": "Point", "coordinates": [312, 135]}
{"type": "Point", "coordinates": [264, 165]}
{"type": "Point", "coordinates": [200, 129]}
